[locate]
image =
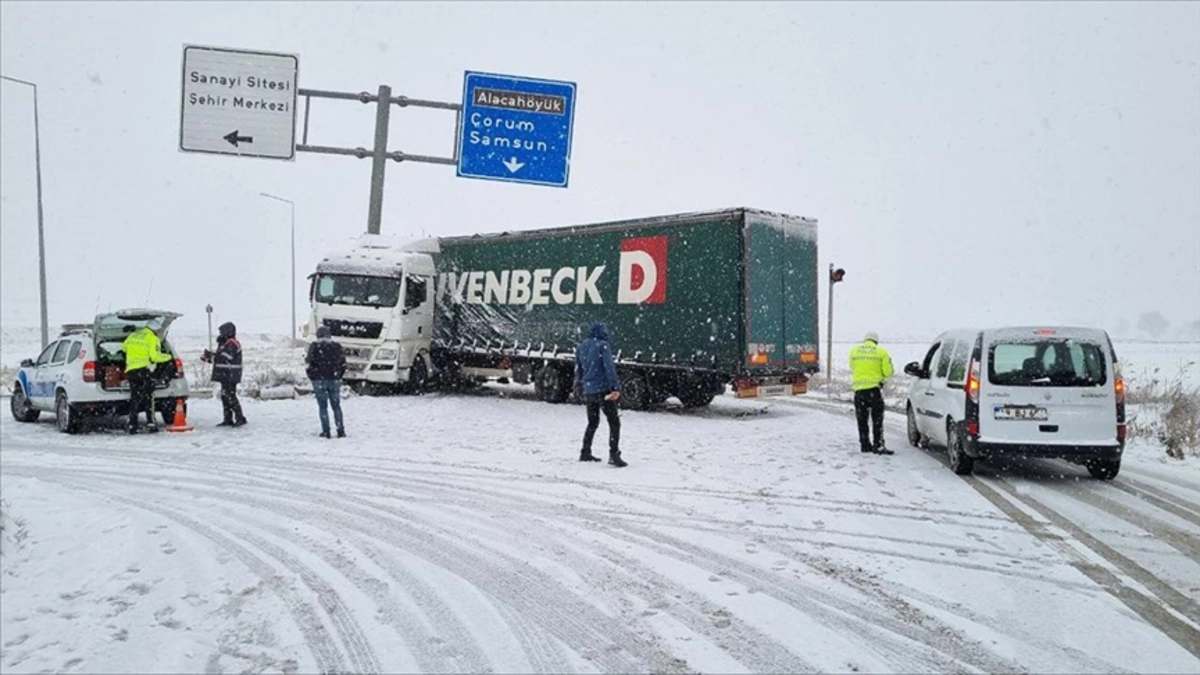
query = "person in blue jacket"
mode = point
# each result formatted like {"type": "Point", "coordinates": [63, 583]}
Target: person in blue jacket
{"type": "Point", "coordinates": [597, 375]}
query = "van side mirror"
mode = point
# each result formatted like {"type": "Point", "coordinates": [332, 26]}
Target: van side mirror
{"type": "Point", "coordinates": [914, 369]}
{"type": "Point", "coordinates": [26, 363]}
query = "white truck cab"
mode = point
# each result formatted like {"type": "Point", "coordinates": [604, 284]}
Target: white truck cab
{"type": "Point", "coordinates": [377, 300]}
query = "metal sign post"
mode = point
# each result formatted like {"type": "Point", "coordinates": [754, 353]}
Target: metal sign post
{"type": "Point", "coordinates": [208, 309]}
{"type": "Point", "coordinates": [244, 102]}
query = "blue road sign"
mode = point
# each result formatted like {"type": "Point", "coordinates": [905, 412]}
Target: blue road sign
{"type": "Point", "coordinates": [516, 129]}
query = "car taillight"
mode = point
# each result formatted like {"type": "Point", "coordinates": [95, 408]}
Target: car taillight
{"type": "Point", "coordinates": [89, 371]}
{"type": "Point", "coordinates": [178, 368]}
{"type": "Point", "coordinates": [973, 382]}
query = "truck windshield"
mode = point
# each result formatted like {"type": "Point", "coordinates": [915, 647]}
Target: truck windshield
{"type": "Point", "coordinates": [348, 289]}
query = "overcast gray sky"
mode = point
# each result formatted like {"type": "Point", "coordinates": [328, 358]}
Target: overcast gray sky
{"type": "Point", "coordinates": [969, 163]}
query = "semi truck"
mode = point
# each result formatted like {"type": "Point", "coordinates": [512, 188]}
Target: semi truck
{"type": "Point", "coordinates": [694, 303]}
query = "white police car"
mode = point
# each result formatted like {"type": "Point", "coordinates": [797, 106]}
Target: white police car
{"type": "Point", "coordinates": [81, 373]}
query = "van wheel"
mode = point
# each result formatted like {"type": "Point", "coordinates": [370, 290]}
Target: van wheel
{"type": "Point", "coordinates": [22, 411]}
{"type": "Point", "coordinates": [914, 435]}
{"type": "Point", "coordinates": [1104, 469]}
{"type": "Point", "coordinates": [67, 417]}
{"type": "Point", "coordinates": [418, 375]}
{"type": "Point", "coordinates": [960, 462]}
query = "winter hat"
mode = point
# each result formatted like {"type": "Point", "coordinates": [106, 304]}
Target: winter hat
{"type": "Point", "coordinates": [872, 336]}
{"type": "Point", "coordinates": [324, 332]}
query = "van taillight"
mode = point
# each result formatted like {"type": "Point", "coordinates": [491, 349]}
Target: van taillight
{"type": "Point", "coordinates": [89, 371]}
{"type": "Point", "coordinates": [973, 382]}
{"type": "Point", "coordinates": [178, 368]}
{"type": "Point", "coordinates": [1118, 384]}
{"type": "Point", "coordinates": [973, 428]}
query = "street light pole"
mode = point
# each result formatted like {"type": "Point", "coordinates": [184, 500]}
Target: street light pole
{"type": "Point", "coordinates": [37, 158]}
{"type": "Point", "coordinates": [291, 204]}
{"type": "Point", "coordinates": [835, 276]}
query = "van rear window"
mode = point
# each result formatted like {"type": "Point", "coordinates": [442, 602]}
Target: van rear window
{"type": "Point", "coordinates": [1047, 363]}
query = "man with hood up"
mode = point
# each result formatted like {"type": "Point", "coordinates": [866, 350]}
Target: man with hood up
{"type": "Point", "coordinates": [597, 375]}
{"type": "Point", "coordinates": [227, 370]}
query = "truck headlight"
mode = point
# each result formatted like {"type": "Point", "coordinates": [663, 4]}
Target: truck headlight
{"type": "Point", "coordinates": [385, 354]}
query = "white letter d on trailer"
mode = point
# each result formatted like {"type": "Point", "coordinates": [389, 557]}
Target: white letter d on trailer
{"type": "Point", "coordinates": [638, 277]}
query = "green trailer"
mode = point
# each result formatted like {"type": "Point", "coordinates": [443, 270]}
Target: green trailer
{"type": "Point", "coordinates": [693, 302]}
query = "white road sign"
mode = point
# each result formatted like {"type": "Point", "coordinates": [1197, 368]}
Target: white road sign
{"type": "Point", "coordinates": [238, 102]}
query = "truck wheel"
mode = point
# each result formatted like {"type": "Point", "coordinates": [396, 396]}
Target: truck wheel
{"type": "Point", "coordinates": [22, 411]}
{"type": "Point", "coordinates": [960, 462]}
{"type": "Point", "coordinates": [418, 375]}
{"type": "Point", "coordinates": [635, 394]}
{"type": "Point", "coordinates": [551, 384]}
{"type": "Point", "coordinates": [1104, 469]}
{"type": "Point", "coordinates": [696, 399]}
{"type": "Point", "coordinates": [695, 392]}
{"type": "Point", "coordinates": [67, 417]}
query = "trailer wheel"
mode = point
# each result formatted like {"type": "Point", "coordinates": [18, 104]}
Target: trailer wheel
{"type": "Point", "coordinates": [551, 384]}
{"type": "Point", "coordinates": [635, 393]}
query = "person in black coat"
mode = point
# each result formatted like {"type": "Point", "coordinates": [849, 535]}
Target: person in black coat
{"type": "Point", "coordinates": [326, 363]}
{"type": "Point", "coordinates": [227, 371]}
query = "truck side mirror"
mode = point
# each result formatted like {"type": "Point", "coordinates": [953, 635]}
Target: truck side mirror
{"type": "Point", "coordinates": [914, 369]}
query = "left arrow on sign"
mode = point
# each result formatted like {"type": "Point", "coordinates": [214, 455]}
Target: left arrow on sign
{"type": "Point", "coordinates": [234, 139]}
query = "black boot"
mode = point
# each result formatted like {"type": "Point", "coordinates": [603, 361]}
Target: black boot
{"type": "Point", "coordinates": [614, 458]}
{"type": "Point", "coordinates": [226, 423]}
{"type": "Point", "coordinates": [587, 456]}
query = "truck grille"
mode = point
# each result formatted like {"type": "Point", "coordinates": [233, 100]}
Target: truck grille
{"type": "Point", "coordinates": [354, 329]}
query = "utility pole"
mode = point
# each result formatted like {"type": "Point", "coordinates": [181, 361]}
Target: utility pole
{"type": "Point", "coordinates": [37, 159]}
{"type": "Point", "coordinates": [835, 276]}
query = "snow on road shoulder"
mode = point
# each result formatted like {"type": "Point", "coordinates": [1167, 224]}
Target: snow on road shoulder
{"type": "Point", "coordinates": [748, 536]}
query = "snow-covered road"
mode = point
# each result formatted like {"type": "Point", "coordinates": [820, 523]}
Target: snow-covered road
{"type": "Point", "coordinates": [457, 533]}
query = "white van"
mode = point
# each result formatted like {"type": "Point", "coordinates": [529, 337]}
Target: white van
{"type": "Point", "coordinates": [1020, 392]}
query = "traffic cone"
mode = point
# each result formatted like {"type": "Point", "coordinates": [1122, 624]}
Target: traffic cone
{"type": "Point", "coordinates": [180, 423]}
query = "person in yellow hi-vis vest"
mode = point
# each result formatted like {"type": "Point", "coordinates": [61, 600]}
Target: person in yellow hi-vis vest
{"type": "Point", "coordinates": [870, 365]}
{"type": "Point", "coordinates": [142, 348]}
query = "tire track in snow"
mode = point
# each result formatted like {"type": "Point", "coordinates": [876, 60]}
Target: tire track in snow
{"type": "Point", "coordinates": [1163, 500]}
{"type": "Point", "coordinates": [537, 595]}
{"type": "Point", "coordinates": [1152, 609]}
{"type": "Point", "coordinates": [447, 628]}
{"type": "Point", "coordinates": [326, 654]}
{"type": "Point", "coordinates": [944, 637]}
{"type": "Point", "coordinates": [1186, 543]}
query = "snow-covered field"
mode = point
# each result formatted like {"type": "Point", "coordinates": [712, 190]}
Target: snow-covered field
{"type": "Point", "coordinates": [457, 533]}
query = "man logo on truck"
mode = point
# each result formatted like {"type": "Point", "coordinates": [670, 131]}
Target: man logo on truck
{"type": "Point", "coordinates": [642, 279]}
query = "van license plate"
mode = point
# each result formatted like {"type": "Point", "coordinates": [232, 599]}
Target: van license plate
{"type": "Point", "coordinates": [1026, 412]}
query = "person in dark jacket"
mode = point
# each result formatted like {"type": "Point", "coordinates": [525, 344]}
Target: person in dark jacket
{"type": "Point", "coordinates": [326, 363]}
{"type": "Point", "coordinates": [227, 371]}
{"type": "Point", "coordinates": [597, 375]}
